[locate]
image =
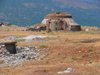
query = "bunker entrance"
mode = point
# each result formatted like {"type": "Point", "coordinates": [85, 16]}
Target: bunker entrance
{"type": "Point", "coordinates": [56, 24]}
{"type": "Point", "coordinates": [11, 47]}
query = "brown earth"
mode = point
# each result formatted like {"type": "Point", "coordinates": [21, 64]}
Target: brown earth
{"type": "Point", "coordinates": [74, 49]}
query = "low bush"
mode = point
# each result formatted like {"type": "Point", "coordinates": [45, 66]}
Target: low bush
{"type": "Point", "coordinates": [49, 31]}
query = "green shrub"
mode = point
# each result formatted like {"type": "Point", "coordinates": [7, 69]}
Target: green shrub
{"type": "Point", "coordinates": [49, 31]}
{"type": "Point", "coordinates": [29, 58]}
{"type": "Point", "coordinates": [1, 61]}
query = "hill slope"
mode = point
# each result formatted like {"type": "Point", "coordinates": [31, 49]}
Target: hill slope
{"type": "Point", "coordinates": [30, 12]}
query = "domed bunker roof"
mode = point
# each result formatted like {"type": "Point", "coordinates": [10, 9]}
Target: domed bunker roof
{"type": "Point", "coordinates": [57, 15]}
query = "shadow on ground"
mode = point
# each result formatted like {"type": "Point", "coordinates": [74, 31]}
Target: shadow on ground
{"type": "Point", "coordinates": [88, 41]}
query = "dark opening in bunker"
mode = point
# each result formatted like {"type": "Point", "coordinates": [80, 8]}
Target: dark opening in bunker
{"type": "Point", "coordinates": [11, 47]}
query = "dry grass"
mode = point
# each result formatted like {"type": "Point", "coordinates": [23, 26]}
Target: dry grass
{"type": "Point", "coordinates": [43, 46]}
{"type": "Point", "coordinates": [66, 50]}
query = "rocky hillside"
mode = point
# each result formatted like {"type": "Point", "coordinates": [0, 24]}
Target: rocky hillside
{"type": "Point", "coordinates": [30, 12]}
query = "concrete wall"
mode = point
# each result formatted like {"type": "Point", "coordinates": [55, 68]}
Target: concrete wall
{"type": "Point", "coordinates": [56, 24]}
{"type": "Point", "coordinates": [59, 24]}
{"type": "Point", "coordinates": [53, 25]}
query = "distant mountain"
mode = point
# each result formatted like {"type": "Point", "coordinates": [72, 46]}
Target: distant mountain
{"type": "Point", "coordinates": [30, 12]}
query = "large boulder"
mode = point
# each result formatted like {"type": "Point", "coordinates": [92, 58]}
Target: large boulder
{"type": "Point", "coordinates": [4, 24]}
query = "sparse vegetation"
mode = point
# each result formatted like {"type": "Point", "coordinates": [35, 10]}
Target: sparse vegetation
{"type": "Point", "coordinates": [14, 26]}
{"type": "Point", "coordinates": [6, 28]}
{"type": "Point", "coordinates": [19, 36]}
{"type": "Point", "coordinates": [69, 59]}
{"type": "Point", "coordinates": [90, 31]}
{"type": "Point", "coordinates": [49, 31]}
{"type": "Point", "coordinates": [19, 40]}
{"type": "Point", "coordinates": [46, 62]}
{"type": "Point", "coordinates": [90, 48]}
{"type": "Point", "coordinates": [1, 61]}
{"type": "Point", "coordinates": [43, 46]}
{"type": "Point", "coordinates": [79, 57]}
{"type": "Point", "coordinates": [41, 58]}
{"type": "Point", "coordinates": [43, 32]}
{"type": "Point", "coordinates": [79, 43]}
{"type": "Point", "coordinates": [29, 57]}
{"type": "Point", "coordinates": [62, 52]}
{"type": "Point", "coordinates": [96, 65]}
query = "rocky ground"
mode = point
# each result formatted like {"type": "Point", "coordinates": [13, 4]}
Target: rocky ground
{"type": "Point", "coordinates": [66, 53]}
{"type": "Point", "coordinates": [23, 54]}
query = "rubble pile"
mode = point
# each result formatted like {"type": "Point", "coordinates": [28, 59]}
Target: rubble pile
{"type": "Point", "coordinates": [31, 38]}
{"type": "Point", "coordinates": [24, 54]}
{"type": "Point", "coordinates": [3, 50]}
{"type": "Point", "coordinates": [36, 28]}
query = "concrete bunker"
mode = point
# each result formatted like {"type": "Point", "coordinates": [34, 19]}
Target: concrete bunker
{"type": "Point", "coordinates": [60, 21]}
{"type": "Point", "coordinates": [9, 46]}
